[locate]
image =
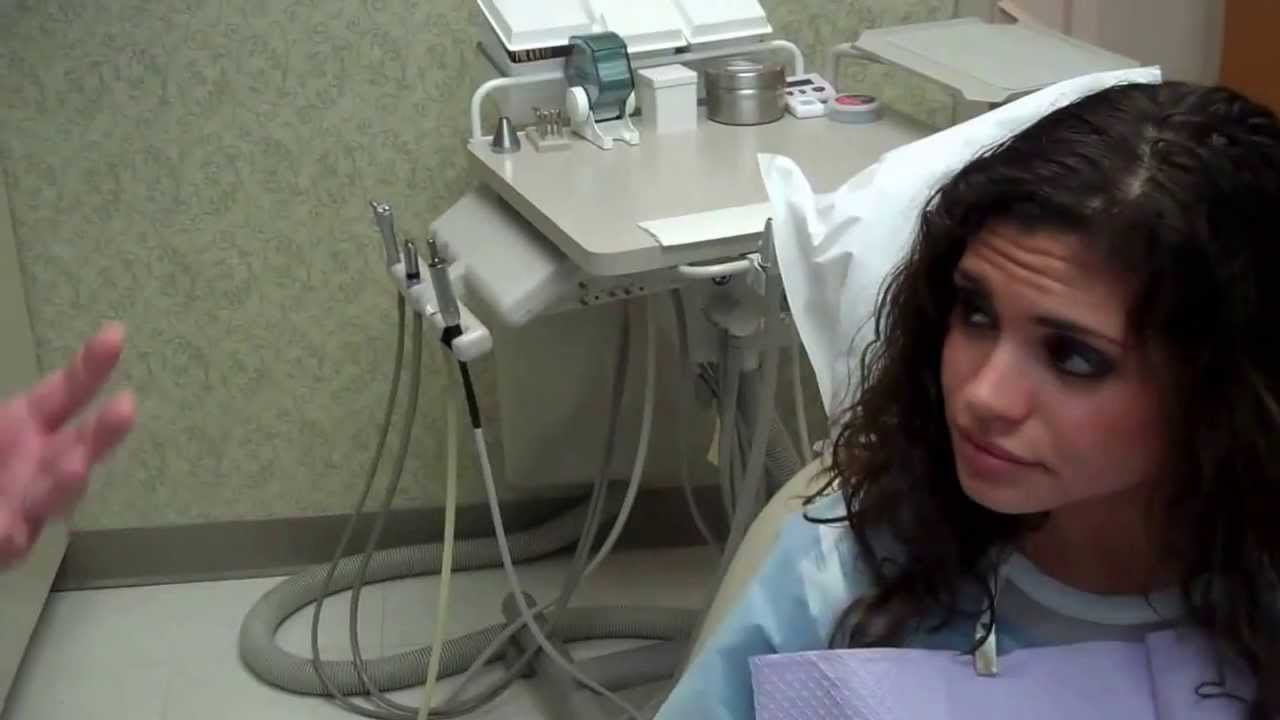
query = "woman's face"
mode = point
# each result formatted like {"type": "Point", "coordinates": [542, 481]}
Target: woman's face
{"type": "Point", "coordinates": [1049, 402]}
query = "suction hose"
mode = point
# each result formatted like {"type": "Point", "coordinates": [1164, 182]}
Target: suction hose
{"type": "Point", "coordinates": [278, 667]}
{"type": "Point", "coordinates": [781, 457]}
{"type": "Point", "coordinates": [782, 460]}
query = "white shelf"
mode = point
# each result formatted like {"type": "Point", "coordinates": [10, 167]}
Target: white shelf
{"type": "Point", "coordinates": [988, 62]}
{"type": "Point", "coordinates": [646, 25]}
{"type": "Point", "coordinates": [717, 20]}
{"type": "Point", "coordinates": [524, 25]}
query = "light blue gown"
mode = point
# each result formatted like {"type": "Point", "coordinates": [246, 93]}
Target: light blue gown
{"type": "Point", "coordinates": [811, 576]}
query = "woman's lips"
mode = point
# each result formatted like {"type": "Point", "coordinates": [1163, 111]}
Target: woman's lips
{"type": "Point", "coordinates": [987, 458]}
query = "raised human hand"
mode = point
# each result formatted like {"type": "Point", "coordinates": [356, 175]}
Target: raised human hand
{"type": "Point", "coordinates": [45, 457]}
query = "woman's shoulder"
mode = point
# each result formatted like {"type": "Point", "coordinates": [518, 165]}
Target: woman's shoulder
{"type": "Point", "coordinates": [822, 526]}
{"type": "Point", "coordinates": [801, 580]}
{"type": "Point", "coordinates": [812, 529]}
{"type": "Point", "coordinates": [828, 509]}
{"type": "Point", "coordinates": [789, 583]}
{"type": "Point", "coordinates": [817, 547]}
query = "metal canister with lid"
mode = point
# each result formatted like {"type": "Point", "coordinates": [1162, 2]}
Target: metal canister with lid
{"type": "Point", "coordinates": [746, 92]}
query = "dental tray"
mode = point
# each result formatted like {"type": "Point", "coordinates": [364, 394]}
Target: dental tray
{"type": "Point", "coordinates": [988, 62]}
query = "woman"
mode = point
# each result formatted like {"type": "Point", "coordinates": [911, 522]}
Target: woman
{"type": "Point", "coordinates": [1073, 399]}
{"type": "Point", "coordinates": [45, 457]}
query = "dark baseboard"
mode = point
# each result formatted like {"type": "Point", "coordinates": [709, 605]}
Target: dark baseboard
{"type": "Point", "coordinates": [265, 548]}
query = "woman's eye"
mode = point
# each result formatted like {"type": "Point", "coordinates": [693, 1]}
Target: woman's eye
{"type": "Point", "coordinates": [972, 312]}
{"type": "Point", "coordinates": [1078, 359]}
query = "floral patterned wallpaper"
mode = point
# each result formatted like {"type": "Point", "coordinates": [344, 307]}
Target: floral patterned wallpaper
{"type": "Point", "coordinates": [200, 169]}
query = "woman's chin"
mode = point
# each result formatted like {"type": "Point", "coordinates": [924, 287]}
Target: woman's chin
{"type": "Point", "coordinates": [1007, 495]}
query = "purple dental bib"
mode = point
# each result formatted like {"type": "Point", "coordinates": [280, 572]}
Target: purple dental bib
{"type": "Point", "coordinates": [1172, 675]}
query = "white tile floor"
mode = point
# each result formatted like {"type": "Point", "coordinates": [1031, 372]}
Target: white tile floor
{"type": "Point", "coordinates": [169, 652]}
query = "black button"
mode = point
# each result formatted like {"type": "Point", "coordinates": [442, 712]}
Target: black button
{"type": "Point", "coordinates": [819, 89]}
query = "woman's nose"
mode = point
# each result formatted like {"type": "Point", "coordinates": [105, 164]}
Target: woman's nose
{"type": "Point", "coordinates": [1000, 391]}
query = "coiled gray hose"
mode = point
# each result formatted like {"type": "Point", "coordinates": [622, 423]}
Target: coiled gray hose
{"type": "Point", "coordinates": [280, 668]}
{"type": "Point", "coordinates": [259, 652]}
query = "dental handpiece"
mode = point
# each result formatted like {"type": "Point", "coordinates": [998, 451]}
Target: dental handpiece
{"type": "Point", "coordinates": [438, 268]}
{"type": "Point", "coordinates": [386, 222]}
{"type": "Point", "coordinates": [412, 273]}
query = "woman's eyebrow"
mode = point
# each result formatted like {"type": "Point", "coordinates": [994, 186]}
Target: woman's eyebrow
{"type": "Point", "coordinates": [1072, 328]}
{"type": "Point", "coordinates": [971, 282]}
{"type": "Point", "coordinates": [977, 285]}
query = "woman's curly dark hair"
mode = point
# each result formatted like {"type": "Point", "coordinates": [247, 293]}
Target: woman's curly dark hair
{"type": "Point", "coordinates": [1178, 186]}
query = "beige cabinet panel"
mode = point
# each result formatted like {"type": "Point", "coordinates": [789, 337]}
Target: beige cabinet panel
{"type": "Point", "coordinates": [23, 589]}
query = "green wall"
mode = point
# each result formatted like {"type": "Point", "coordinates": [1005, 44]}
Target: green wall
{"type": "Point", "coordinates": [200, 169]}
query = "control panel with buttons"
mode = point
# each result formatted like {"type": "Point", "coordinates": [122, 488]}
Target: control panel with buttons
{"type": "Point", "coordinates": [810, 85]}
{"type": "Point", "coordinates": [808, 95]}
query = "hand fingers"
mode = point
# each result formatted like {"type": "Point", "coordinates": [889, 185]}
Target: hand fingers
{"type": "Point", "coordinates": [65, 475]}
{"type": "Point", "coordinates": [110, 425]}
{"type": "Point", "coordinates": [16, 537]}
{"type": "Point", "coordinates": [65, 392]}
{"type": "Point", "coordinates": [69, 459]}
